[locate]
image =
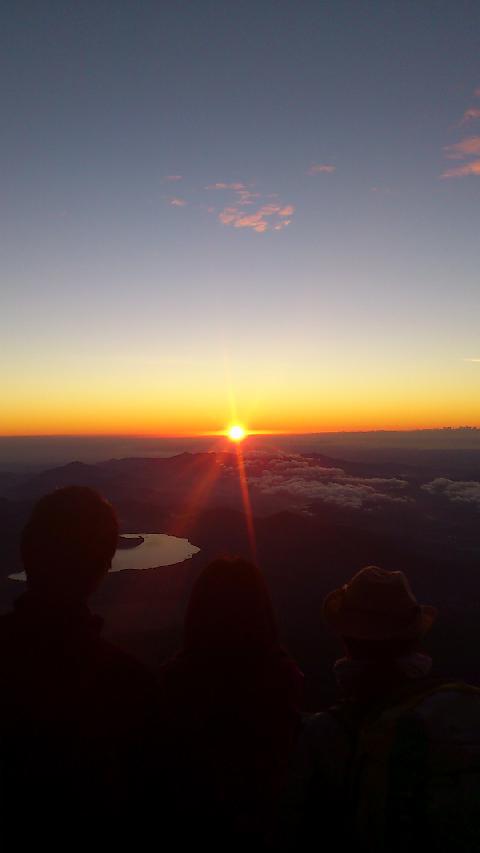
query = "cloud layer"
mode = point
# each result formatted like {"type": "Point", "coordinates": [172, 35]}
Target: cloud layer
{"type": "Point", "coordinates": [458, 491]}
{"type": "Point", "coordinates": [304, 481]}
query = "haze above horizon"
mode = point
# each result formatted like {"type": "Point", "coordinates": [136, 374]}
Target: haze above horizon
{"type": "Point", "coordinates": [263, 214]}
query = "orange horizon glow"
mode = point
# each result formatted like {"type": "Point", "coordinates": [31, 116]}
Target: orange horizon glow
{"type": "Point", "coordinates": [126, 428]}
{"type": "Point", "coordinates": [122, 415]}
{"type": "Point", "coordinates": [118, 431]}
{"type": "Point", "coordinates": [201, 401]}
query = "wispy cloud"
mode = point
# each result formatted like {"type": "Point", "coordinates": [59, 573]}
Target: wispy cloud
{"type": "Point", "coordinates": [222, 186]}
{"type": "Point", "coordinates": [244, 207]}
{"type": "Point", "coordinates": [470, 115]}
{"type": "Point", "coordinates": [477, 93]}
{"type": "Point", "coordinates": [473, 360]}
{"type": "Point", "coordinates": [468, 147]}
{"type": "Point", "coordinates": [472, 168]}
{"type": "Point", "coordinates": [465, 148]}
{"type": "Point", "coordinates": [173, 177]}
{"type": "Point", "coordinates": [318, 168]}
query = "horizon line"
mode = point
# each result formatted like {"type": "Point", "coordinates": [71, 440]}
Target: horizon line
{"type": "Point", "coordinates": [222, 433]}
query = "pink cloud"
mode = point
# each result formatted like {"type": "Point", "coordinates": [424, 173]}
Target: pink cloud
{"type": "Point", "coordinates": [477, 93]}
{"type": "Point", "coordinates": [270, 209]}
{"type": "Point", "coordinates": [255, 220]}
{"type": "Point", "coordinates": [268, 217]}
{"type": "Point", "coordinates": [219, 186]}
{"type": "Point", "coordinates": [229, 215]}
{"type": "Point", "coordinates": [177, 202]}
{"type": "Point", "coordinates": [318, 168]}
{"type": "Point", "coordinates": [246, 210]}
{"type": "Point", "coordinates": [470, 115]}
{"type": "Point", "coordinates": [472, 168]}
{"type": "Point", "coordinates": [173, 177]}
{"type": "Point", "coordinates": [464, 148]}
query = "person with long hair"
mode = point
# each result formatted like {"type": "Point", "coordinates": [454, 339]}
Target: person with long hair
{"type": "Point", "coordinates": [231, 696]}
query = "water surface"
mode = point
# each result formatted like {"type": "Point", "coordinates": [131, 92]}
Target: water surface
{"type": "Point", "coordinates": [157, 549]}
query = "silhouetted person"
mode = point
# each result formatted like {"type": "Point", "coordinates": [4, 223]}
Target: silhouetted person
{"type": "Point", "coordinates": [397, 761]}
{"type": "Point", "coordinates": [73, 706]}
{"type": "Point", "coordinates": [381, 626]}
{"type": "Point", "coordinates": [233, 695]}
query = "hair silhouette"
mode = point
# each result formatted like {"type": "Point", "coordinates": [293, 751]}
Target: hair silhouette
{"type": "Point", "coordinates": [230, 615]}
{"type": "Point", "coordinates": [68, 543]}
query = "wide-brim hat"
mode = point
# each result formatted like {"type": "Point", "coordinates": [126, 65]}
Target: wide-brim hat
{"type": "Point", "coordinates": [377, 605]}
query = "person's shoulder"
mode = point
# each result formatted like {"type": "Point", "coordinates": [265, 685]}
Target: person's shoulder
{"type": "Point", "coordinates": [451, 708]}
{"type": "Point", "coordinates": [321, 755]}
{"type": "Point", "coordinates": [119, 672]}
{"type": "Point", "coordinates": [325, 738]}
{"type": "Point", "coordinates": [323, 729]}
{"type": "Point", "coordinates": [282, 674]}
{"type": "Point", "coordinates": [11, 635]}
{"type": "Point", "coordinates": [7, 622]}
{"type": "Point", "coordinates": [116, 658]}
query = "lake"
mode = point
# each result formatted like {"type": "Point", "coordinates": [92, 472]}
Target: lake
{"type": "Point", "coordinates": [157, 549]}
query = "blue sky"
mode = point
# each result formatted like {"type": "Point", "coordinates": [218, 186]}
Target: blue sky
{"type": "Point", "coordinates": [309, 238]}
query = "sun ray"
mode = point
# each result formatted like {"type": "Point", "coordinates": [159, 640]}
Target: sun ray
{"type": "Point", "coordinates": [247, 507]}
{"type": "Point", "coordinates": [196, 498]}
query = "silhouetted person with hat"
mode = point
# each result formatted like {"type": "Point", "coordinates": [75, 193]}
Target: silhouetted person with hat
{"type": "Point", "coordinates": [74, 707]}
{"type": "Point", "coordinates": [397, 761]}
{"type": "Point", "coordinates": [381, 626]}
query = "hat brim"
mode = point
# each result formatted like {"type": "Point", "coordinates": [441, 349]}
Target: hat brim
{"type": "Point", "coordinates": [374, 624]}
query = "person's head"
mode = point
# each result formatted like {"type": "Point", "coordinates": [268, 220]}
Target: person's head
{"type": "Point", "coordinates": [230, 613]}
{"type": "Point", "coordinates": [377, 615]}
{"type": "Point", "coordinates": [68, 543]}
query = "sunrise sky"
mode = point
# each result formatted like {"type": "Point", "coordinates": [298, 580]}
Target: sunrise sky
{"type": "Point", "coordinates": [265, 212]}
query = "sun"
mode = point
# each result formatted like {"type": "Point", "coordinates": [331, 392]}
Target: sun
{"type": "Point", "coordinates": [236, 432]}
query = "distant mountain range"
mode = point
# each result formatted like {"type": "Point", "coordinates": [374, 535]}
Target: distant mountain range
{"type": "Point", "coordinates": [29, 453]}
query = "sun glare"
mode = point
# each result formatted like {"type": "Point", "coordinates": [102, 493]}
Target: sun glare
{"type": "Point", "coordinates": [236, 433]}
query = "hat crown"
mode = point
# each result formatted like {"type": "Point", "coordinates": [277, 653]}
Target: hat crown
{"type": "Point", "coordinates": [375, 589]}
{"type": "Point", "coordinates": [375, 605]}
